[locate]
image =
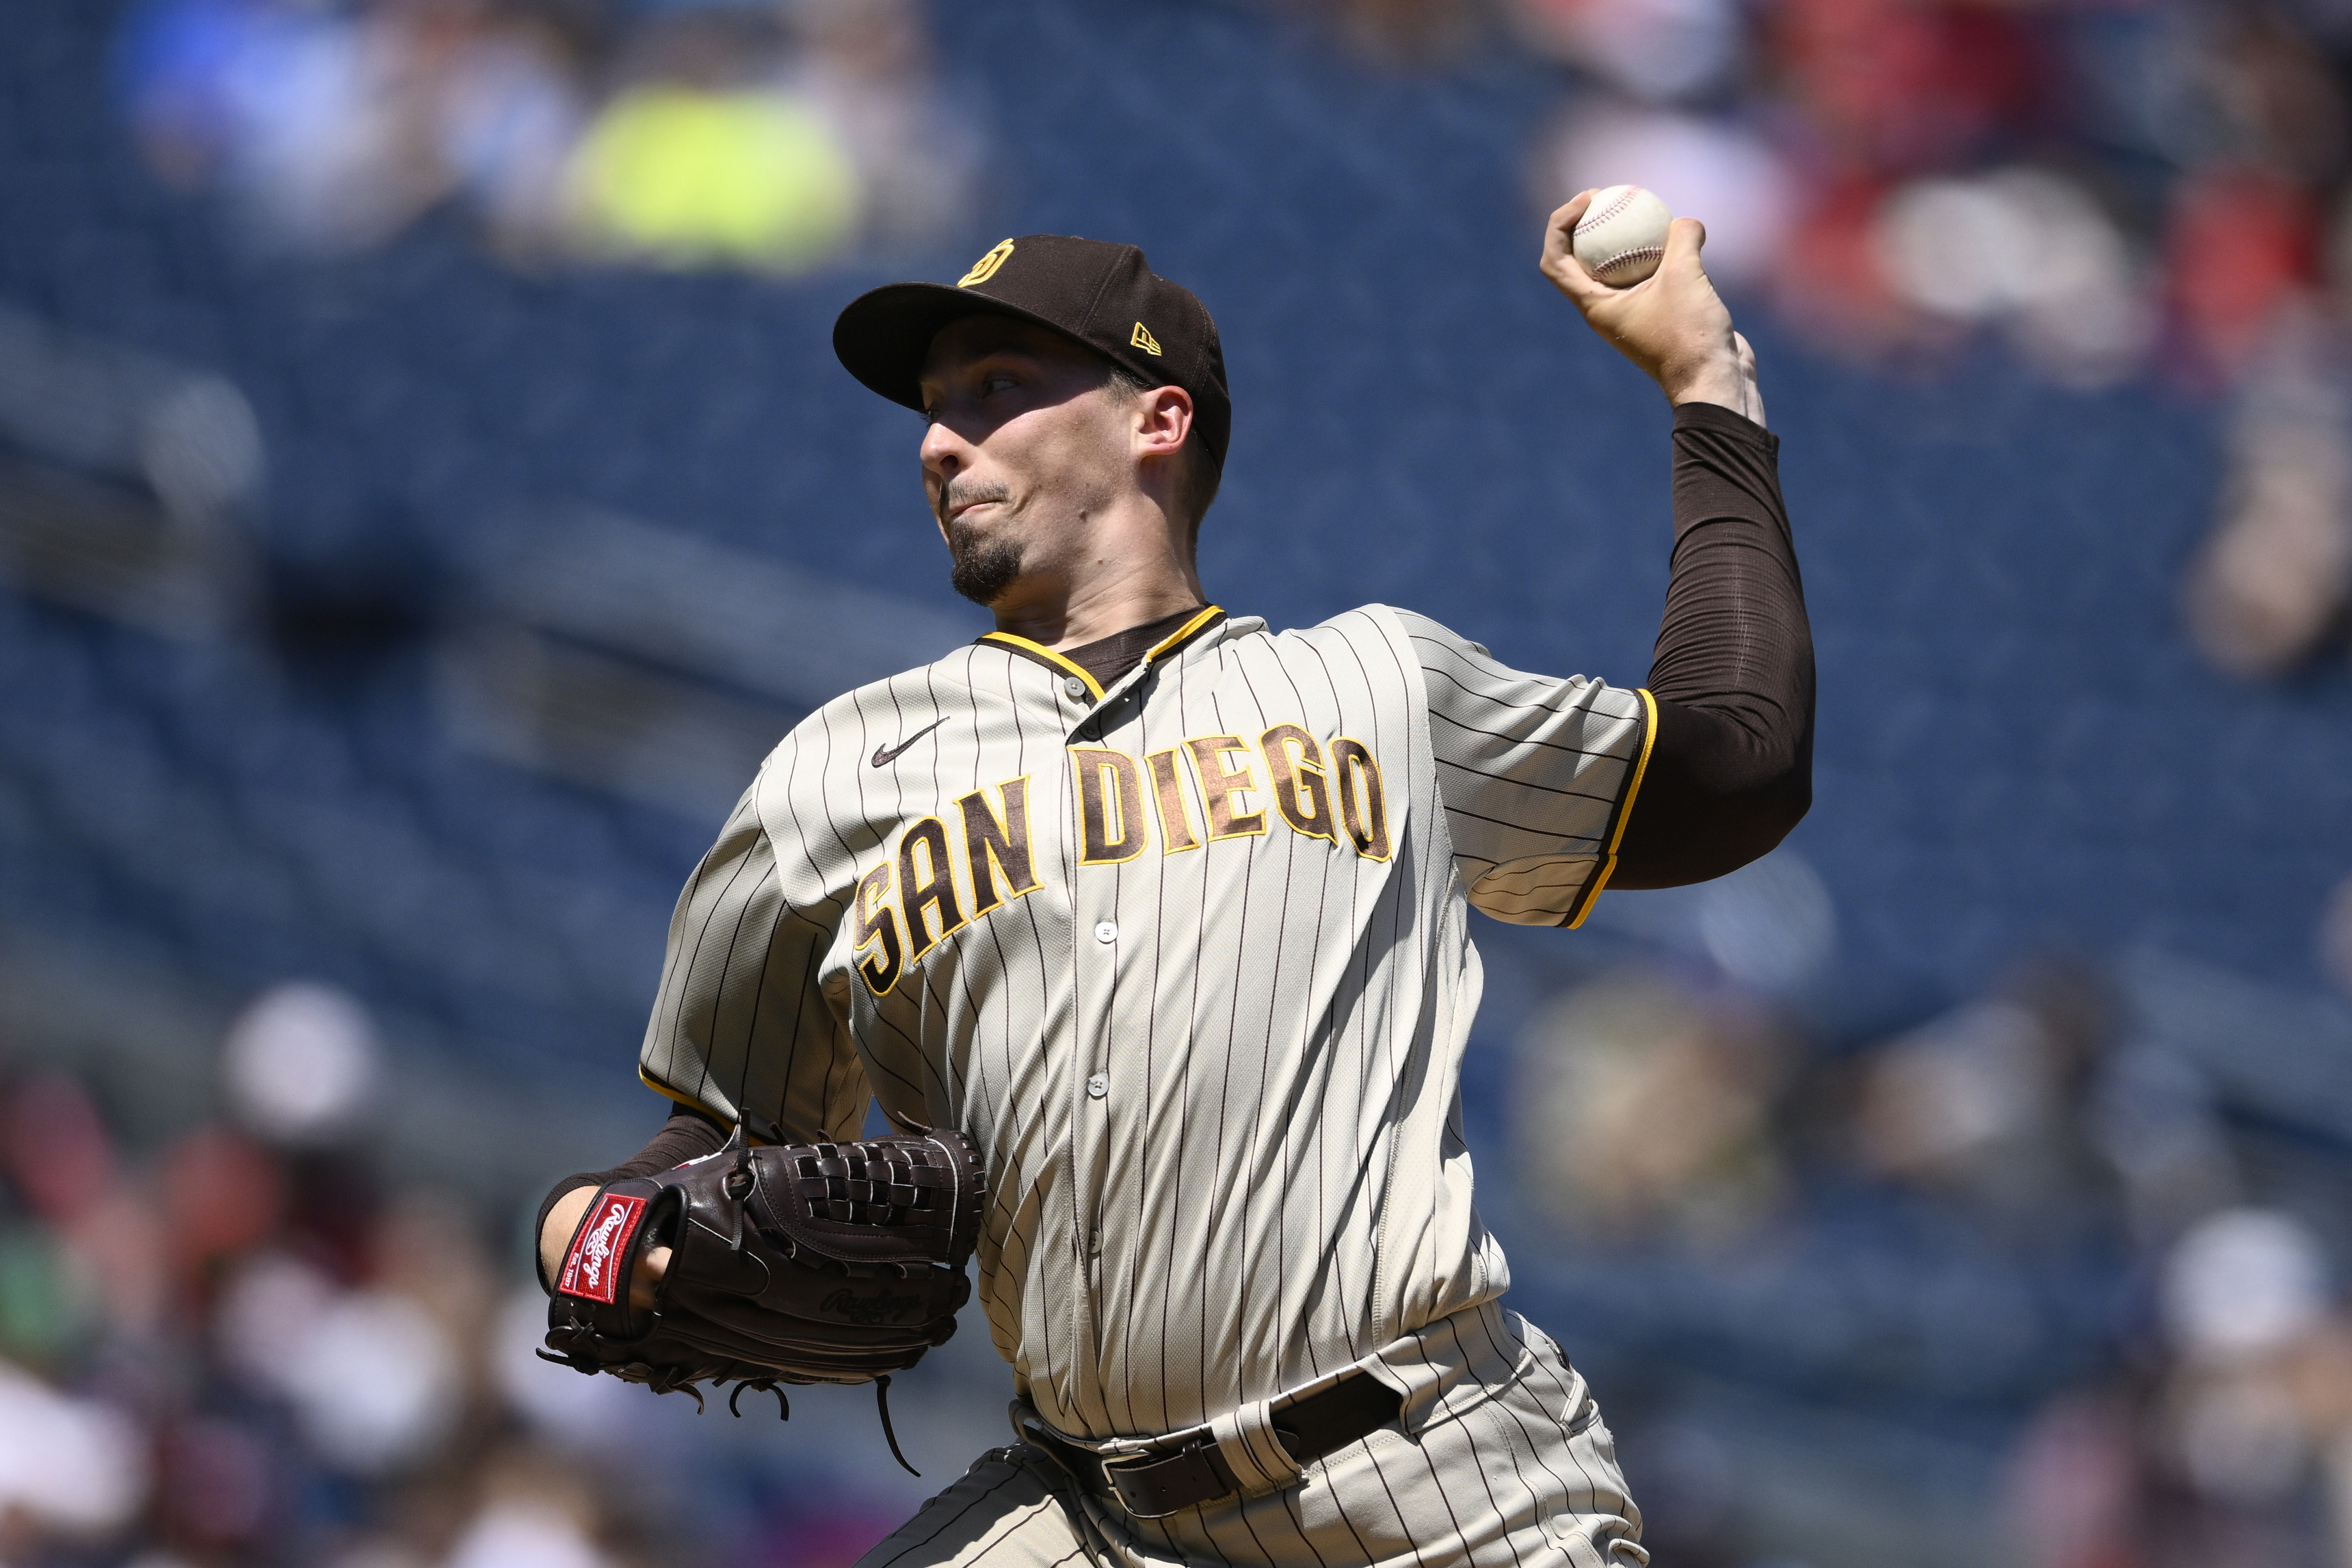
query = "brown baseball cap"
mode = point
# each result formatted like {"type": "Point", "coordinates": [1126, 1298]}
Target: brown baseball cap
{"type": "Point", "coordinates": [1103, 295]}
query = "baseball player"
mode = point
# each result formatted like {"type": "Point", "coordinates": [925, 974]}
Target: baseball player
{"type": "Point", "coordinates": [1167, 913]}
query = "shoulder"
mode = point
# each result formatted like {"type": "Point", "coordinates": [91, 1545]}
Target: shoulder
{"type": "Point", "coordinates": [1382, 638]}
{"type": "Point", "coordinates": [943, 686]}
{"type": "Point", "coordinates": [1412, 638]}
{"type": "Point", "coordinates": [1430, 638]}
{"type": "Point", "coordinates": [826, 758]}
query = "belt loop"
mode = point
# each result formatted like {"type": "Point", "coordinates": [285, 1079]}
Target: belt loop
{"type": "Point", "coordinates": [1246, 1442]}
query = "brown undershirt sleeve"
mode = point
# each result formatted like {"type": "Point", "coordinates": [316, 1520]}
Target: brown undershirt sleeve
{"type": "Point", "coordinates": [689, 1135]}
{"type": "Point", "coordinates": [1730, 767]}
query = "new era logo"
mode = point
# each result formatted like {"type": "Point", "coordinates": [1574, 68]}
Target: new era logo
{"type": "Point", "coordinates": [1145, 341]}
{"type": "Point", "coordinates": [592, 1269]}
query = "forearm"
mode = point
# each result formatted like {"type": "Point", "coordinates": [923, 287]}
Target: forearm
{"type": "Point", "coordinates": [1730, 766]}
{"type": "Point", "coordinates": [687, 1135]}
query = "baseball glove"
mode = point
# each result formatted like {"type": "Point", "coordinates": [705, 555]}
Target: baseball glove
{"type": "Point", "coordinates": [788, 1263]}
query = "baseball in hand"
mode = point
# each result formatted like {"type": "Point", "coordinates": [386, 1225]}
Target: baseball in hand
{"type": "Point", "coordinates": [1622, 235]}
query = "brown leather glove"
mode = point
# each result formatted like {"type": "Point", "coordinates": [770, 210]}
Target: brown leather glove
{"type": "Point", "coordinates": [788, 1263]}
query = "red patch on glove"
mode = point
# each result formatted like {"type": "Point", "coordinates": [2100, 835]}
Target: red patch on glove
{"type": "Point", "coordinates": [592, 1269]}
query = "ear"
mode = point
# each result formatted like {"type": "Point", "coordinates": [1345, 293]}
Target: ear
{"type": "Point", "coordinates": [1163, 418]}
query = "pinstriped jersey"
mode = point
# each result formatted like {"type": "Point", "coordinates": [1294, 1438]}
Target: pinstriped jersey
{"type": "Point", "coordinates": [1188, 959]}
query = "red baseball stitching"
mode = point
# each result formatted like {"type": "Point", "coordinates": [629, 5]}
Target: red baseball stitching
{"type": "Point", "coordinates": [1614, 262]}
{"type": "Point", "coordinates": [1592, 220]}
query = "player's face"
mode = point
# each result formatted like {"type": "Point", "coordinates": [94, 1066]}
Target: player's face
{"type": "Point", "coordinates": [1024, 445]}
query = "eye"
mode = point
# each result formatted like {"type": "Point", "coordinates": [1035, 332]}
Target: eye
{"type": "Point", "coordinates": [990, 383]}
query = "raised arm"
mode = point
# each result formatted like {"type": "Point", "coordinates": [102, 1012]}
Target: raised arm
{"type": "Point", "coordinates": [1730, 765]}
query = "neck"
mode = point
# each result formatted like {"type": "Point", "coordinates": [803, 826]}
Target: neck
{"type": "Point", "coordinates": [1102, 593]}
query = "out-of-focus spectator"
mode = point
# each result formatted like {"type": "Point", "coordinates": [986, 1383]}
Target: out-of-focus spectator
{"type": "Point", "coordinates": [317, 121]}
{"type": "Point", "coordinates": [2214, 1451]}
{"type": "Point", "coordinates": [579, 1413]}
{"type": "Point", "coordinates": [2106, 188]}
{"type": "Point", "coordinates": [868, 68]}
{"type": "Point", "coordinates": [216, 1351]}
{"type": "Point", "coordinates": [773, 137]}
{"type": "Point", "coordinates": [512, 110]}
{"type": "Point", "coordinates": [2266, 588]}
{"type": "Point", "coordinates": [1655, 50]}
{"type": "Point", "coordinates": [1986, 1104]}
{"type": "Point", "coordinates": [2070, 1491]}
{"type": "Point", "coordinates": [707, 156]}
{"type": "Point", "coordinates": [685, 177]}
{"type": "Point", "coordinates": [533, 1514]}
{"type": "Point", "coordinates": [71, 1468]}
{"type": "Point", "coordinates": [377, 1374]}
{"type": "Point", "coordinates": [299, 1063]}
{"type": "Point", "coordinates": [1893, 85]}
{"type": "Point", "coordinates": [2027, 250]}
{"type": "Point", "coordinates": [1642, 1116]}
{"type": "Point", "coordinates": [2241, 244]}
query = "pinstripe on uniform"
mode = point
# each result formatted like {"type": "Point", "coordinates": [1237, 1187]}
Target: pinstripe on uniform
{"type": "Point", "coordinates": [1191, 963]}
{"type": "Point", "coordinates": [1507, 1466]}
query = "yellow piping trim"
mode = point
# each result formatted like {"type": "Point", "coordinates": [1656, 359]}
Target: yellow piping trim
{"type": "Point", "coordinates": [1624, 812]}
{"type": "Point", "coordinates": [1011, 640]}
{"type": "Point", "coordinates": [687, 1100]}
{"type": "Point", "coordinates": [1183, 632]}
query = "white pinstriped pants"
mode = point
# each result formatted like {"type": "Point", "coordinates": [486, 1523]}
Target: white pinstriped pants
{"type": "Point", "coordinates": [1525, 1477]}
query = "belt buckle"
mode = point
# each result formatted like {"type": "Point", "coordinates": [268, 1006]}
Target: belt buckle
{"type": "Point", "coordinates": [1113, 1468]}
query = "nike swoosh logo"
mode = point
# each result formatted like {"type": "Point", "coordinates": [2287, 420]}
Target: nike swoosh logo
{"type": "Point", "coordinates": [886, 755]}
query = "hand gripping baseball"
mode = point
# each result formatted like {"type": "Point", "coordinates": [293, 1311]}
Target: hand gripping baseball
{"type": "Point", "coordinates": [1671, 324]}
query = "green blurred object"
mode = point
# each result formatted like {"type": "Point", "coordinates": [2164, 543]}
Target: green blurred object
{"type": "Point", "coordinates": [41, 1313]}
{"type": "Point", "coordinates": [688, 178]}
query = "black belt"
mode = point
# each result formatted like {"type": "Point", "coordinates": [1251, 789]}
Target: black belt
{"type": "Point", "coordinates": [1156, 1485]}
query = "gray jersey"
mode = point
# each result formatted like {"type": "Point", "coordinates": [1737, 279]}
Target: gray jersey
{"type": "Point", "coordinates": [1188, 959]}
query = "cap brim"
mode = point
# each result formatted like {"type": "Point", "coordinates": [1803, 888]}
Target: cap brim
{"type": "Point", "coordinates": [883, 336]}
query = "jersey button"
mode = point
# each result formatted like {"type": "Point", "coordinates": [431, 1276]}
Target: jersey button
{"type": "Point", "coordinates": [1074, 686]}
{"type": "Point", "coordinates": [1097, 1086]}
{"type": "Point", "coordinates": [1106, 931]}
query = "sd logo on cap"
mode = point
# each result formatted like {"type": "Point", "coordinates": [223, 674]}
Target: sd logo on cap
{"type": "Point", "coordinates": [1099, 293]}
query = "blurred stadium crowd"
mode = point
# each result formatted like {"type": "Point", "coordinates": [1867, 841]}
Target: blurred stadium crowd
{"type": "Point", "coordinates": [2104, 184]}
{"type": "Point", "coordinates": [773, 137]}
{"type": "Point", "coordinates": [2056, 1262]}
{"type": "Point", "coordinates": [2108, 186]}
{"type": "Point", "coordinates": [2040, 1202]}
{"type": "Point", "coordinates": [414, 528]}
{"type": "Point", "coordinates": [245, 1343]}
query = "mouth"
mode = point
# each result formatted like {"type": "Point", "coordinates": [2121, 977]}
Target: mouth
{"type": "Point", "coordinates": [961, 497]}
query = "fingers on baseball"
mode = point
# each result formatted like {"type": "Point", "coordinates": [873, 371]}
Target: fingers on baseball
{"type": "Point", "coordinates": [1558, 260]}
{"type": "Point", "coordinates": [1685, 239]}
{"type": "Point", "coordinates": [1564, 218]}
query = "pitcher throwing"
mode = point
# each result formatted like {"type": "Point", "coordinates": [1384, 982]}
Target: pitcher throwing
{"type": "Point", "coordinates": [1166, 914]}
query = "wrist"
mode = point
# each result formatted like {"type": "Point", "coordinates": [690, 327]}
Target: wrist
{"type": "Point", "coordinates": [563, 1218]}
{"type": "Point", "coordinates": [1716, 383]}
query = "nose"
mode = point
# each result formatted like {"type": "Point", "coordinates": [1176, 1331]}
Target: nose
{"type": "Point", "coordinates": [943, 452]}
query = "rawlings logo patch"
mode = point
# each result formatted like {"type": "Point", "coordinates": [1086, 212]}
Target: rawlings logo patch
{"type": "Point", "coordinates": [592, 1269]}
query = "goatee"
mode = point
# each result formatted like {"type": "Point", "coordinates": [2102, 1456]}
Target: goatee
{"type": "Point", "coordinates": [980, 569]}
